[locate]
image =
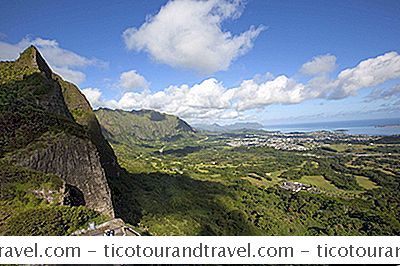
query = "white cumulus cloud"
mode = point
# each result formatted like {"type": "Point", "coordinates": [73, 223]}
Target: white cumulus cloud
{"type": "Point", "coordinates": [319, 65]}
{"type": "Point", "coordinates": [188, 34]}
{"type": "Point", "coordinates": [250, 95]}
{"type": "Point", "coordinates": [62, 61]}
{"type": "Point", "coordinates": [204, 100]}
{"type": "Point", "coordinates": [212, 101]}
{"type": "Point", "coordinates": [93, 96]}
{"type": "Point", "coordinates": [367, 73]}
{"type": "Point", "coordinates": [132, 80]}
{"type": "Point", "coordinates": [69, 74]}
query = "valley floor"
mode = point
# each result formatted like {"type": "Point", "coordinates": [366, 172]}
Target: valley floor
{"type": "Point", "coordinates": [262, 183]}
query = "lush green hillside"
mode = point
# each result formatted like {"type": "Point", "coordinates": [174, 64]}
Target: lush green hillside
{"type": "Point", "coordinates": [132, 127]}
{"type": "Point", "coordinates": [50, 159]}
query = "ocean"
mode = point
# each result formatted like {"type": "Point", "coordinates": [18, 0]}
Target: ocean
{"type": "Point", "coordinates": [373, 127]}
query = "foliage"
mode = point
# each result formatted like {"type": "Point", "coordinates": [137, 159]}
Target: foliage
{"type": "Point", "coordinates": [19, 182]}
{"type": "Point", "coordinates": [29, 199]}
{"type": "Point", "coordinates": [22, 119]}
{"type": "Point", "coordinates": [219, 190]}
{"type": "Point", "coordinates": [55, 220]}
{"type": "Point", "coordinates": [135, 126]}
{"type": "Point", "coordinates": [24, 212]}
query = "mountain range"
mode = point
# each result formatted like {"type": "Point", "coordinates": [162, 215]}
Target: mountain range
{"type": "Point", "coordinates": [239, 126]}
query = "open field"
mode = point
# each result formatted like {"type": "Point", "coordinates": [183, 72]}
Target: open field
{"type": "Point", "coordinates": [366, 183]}
{"type": "Point", "coordinates": [319, 182]}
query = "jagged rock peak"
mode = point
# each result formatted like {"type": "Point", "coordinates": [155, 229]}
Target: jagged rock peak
{"type": "Point", "coordinates": [31, 57]}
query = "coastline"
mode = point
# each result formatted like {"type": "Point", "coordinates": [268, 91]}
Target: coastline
{"type": "Point", "coordinates": [375, 127]}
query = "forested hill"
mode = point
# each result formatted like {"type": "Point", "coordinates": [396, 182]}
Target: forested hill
{"type": "Point", "coordinates": [129, 127]}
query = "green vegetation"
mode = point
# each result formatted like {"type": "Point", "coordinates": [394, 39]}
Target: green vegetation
{"type": "Point", "coordinates": [29, 204]}
{"type": "Point", "coordinates": [77, 104]}
{"type": "Point", "coordinates": [365, 182]}
{"type": "Point", "coordinates": [44, 220]}
{"type": "Point", "coordinates": [145, 125]}
{"type": "Point", "coordinates": [22, 89]}
{"type": "Point", "coordinates": [18, 183]}
{"type": "Point", "coordinates": [203, 187]}
{"type": "Point", "coordinates": [348, 147]}
{"type": "Point", "coordinates": [32, 114]}
{"type": "Point", "coordinates": [319, 182]}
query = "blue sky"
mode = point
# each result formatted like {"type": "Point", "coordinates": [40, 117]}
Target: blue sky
{"type": "Point", "coordinates": [220, 61]}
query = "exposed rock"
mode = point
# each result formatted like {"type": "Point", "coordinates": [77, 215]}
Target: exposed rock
{"type": "Point", "coordinates": [65, 141]}
{"type": "Point", "coordinates": [83, 114]}
{"type": "Point", "coordinates": [77, 161]}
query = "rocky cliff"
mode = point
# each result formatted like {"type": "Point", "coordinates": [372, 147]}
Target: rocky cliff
{"type": "Point", "coordinates": [83, 114]}
{"type": "Point", "coordinates": [47, 125]}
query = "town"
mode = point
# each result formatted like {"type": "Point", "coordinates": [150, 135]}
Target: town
{"type": "Point", "coordinates": [296, 141]}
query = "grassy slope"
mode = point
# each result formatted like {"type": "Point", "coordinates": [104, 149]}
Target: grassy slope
{"type": "Point", "coordinates": [366, 183]}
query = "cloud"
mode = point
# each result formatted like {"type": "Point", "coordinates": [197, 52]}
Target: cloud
{"type": "Point", "coordinates": [384, 93]}
{"type": "Point", "coordinates": [63, 62]}
{"type": "Point", "coordinates": [367, 73]}
{"type": "Point", "coordinates": [93, 96]}
{"type": "Point", "coordinates": [11, 51]}
{"type": "Point", "coordinates": [211, 100]}
{"type": "Point", "coordinates": [206, 100]}
{"type": "Point", "coordinates": [188, 34]}
{"type": "Point", "coordinates": [251, 95]}
{"type": "Point", "coordinates": [284, 90]}
{"type": "Point", "coordinates": [60, 57]}
{"type": "Point", "coordinates": [74, 76]}
{"type": "Point", "coordinates": [319, 65]}
{"type": "Point", "coordinates": [132, 80]}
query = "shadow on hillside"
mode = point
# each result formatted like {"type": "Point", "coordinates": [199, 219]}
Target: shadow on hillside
{"type": "Point", "coordinates": [160, 195]}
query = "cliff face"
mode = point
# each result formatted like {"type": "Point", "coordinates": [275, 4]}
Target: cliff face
{"type": "Point", "coordinates": [83, 114]}
{"type": "Point", "coordinates": [77, 162]}
{"type": "Point", "coordinates": [47, 125]}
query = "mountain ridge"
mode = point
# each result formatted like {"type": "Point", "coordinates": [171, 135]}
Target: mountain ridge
{"type": "Point", "coordinates": [128, 127]}
{"type": "Point", "coordinates": [47, 126]}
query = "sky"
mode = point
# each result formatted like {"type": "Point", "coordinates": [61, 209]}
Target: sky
{"type": "Point", "coordinates": [272, 62]}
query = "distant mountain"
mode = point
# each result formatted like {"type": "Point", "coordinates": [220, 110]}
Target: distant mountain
{"type": "Point", "coordinates": [129, 127]}
{"type": "Point", "coordinates": [51, 150]}
{"type": "Point", "coordinates": [240, 126]}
